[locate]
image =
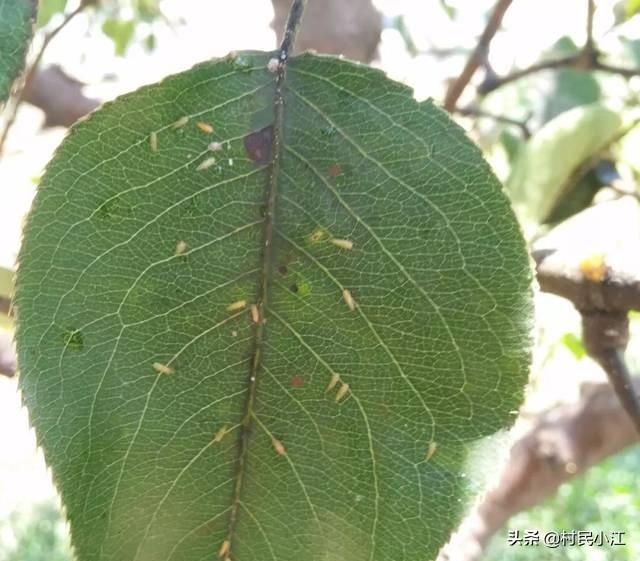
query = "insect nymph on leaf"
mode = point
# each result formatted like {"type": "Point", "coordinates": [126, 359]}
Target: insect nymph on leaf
{"type": "Point", "coordinates": [161, 368]}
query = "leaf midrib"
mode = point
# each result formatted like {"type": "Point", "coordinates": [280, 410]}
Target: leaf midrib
{"type": "Point", "coordinates": [249, 419]}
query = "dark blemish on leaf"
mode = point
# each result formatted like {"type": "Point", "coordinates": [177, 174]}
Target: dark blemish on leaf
{"type": "Point", "coordinates": [327, 131]}
{"type": "Point", "coordinates": [259, 145]}
{"type": "Point", "coordinates": [73, 340]}
{"type": "Point", "coordinates": [282, 269]}
{"type": "Point", "coordinates": [334, 171]}
{"type": "Point", "coordinates": [296, 382]}
{"type": "Point", "coordinates": [294, 288]}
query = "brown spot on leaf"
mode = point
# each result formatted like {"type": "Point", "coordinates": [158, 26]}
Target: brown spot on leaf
{"type": "Point", "coordinates": [296, 382]}
{"type": "Point", "coordinates": [259, 145]}
{"type": "Point", "coordinates": [334, 171]}
{"type": "Point", "coordinates": [282, 269]}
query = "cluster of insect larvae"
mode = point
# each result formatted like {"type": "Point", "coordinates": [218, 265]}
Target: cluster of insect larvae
{"type": "Point", "coordinates": [343, 390]}
{"type": "Point", "coordinates": [205, 128]}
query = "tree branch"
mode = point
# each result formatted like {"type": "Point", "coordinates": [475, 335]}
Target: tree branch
{"type": "Point", "coordinates": [12, 110]}
{"type": "Point", "coordinates": [562, 444]}
{"type": "Point", "coordinates": [588, 59]}
{"type": "Point", "coordinates": [478, 55]}
{"type": "Point", "coordinates": [481, 113]}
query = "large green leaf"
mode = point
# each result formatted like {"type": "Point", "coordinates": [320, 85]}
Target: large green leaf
{"type": "Point", "coordinates": [434, 349]}
{"type": "Point", "coordinates": [552, 157]}
{"type": "Point", "coordinates": [16, 27]}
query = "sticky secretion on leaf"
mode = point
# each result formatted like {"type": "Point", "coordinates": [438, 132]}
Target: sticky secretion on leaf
{"type": "Point", "coordinates": [272, 65]}
{"type": "Point", "coordinates": [259, 145]}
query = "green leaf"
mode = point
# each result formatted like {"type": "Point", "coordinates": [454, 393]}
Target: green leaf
{"type": "Point", "coordinates": [120, 32]}
{"type": "Point", "coordinates": [555, 153]}
{"type": "Point", "coordinates": [49, 8]}
{"type": "Point", "coordinates": [571, 88]}
{"type": "Point", "coordinates": [135, 351]}
{"type": "Point", "coordinates": [632, 7]}
{"type": "Point", "coordinates": [16, 29]}
{"type": "Point", "coordinates": [574, 344]}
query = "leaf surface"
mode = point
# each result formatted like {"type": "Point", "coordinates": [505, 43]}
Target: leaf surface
{"type": "Point", "coordinates": [16, 28]}
{"type": "Point", "coordinates": [341, 426]}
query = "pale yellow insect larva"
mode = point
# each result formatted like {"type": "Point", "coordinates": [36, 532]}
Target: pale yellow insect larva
{"type": "Point", "coordinates": [220, 434]}
{"type": "Point", "coordinates": [206, 128]}
{"type": "Point", "coordinates": [278, 447]}
{"type": "Point", "coordinates": [335, 378]}
{"type": "Point", "coordinates": [349, 301]}
{"type": "Point", "coordinates": [162, 368]}
{"type": "Point", "coordinates": [342, 392]}
{"type": "Point", "coordinates": [272, 65]}
{"type": "Point", "coordinates": [181, 247]}
{"type": "Point", "coordinates": [181, 122]}
{"type": "Point", "coordinates": [153, 141]}
{"type": "Point", "coordinates": [206, 164]}
{"type": "Point", "coordinates": [255, 314]}
{"type": "Point", "coordinates": [236, 306]}
{"type": "Point", "coordinates": [215, 146]}
{"type": "Point", "coordinates": [431, 450]}
{"type": "Point", "coordinates": [224, 548]}
{"type": "Point", "coordinates": [342, 244]}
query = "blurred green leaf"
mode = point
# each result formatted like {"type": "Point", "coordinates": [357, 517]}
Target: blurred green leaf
{"type": "Point", "coordinates": [571, 88]}
{"type": "Point", "coordinates": [48, 9]}
{"type": "Point", "coordinates": [628, 149]}
{"type": "Point", "coordinates": [448, 8]}
{"type": "Point", "coordinates": [556, 152]}
{"type": "Point", "coordinates": [632, 7]}
{"type": "Point", "coordinates": [150, 42]}
{"type": "Point", "coordinates": [6, 282]}
{"type": "Point", "coordinates": [16, 28]}
{"type": "Point", "coordinates": [120, 32]}
{"type": "Point", "coordinates": [574, 344]}
{"type": "Point", "coordinates": [580, 190]}
{"type": "Point", "coordinates": [512, 144]}
{"type": "Point", "coordinates": [147, 10]}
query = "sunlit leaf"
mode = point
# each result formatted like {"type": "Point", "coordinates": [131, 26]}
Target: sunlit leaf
{"type": "Point", "coordinates": [120, 32]}
{"type": "Point", "coordinates": [556, 152]}
{"type": "Point", "coordinates": [301, 336]}
{"type": "Point", "coordinates": [49, 8]}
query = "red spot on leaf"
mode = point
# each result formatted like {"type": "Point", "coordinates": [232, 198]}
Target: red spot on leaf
{"type": "Point", "coordinates": [259, 145]}
{"type": "Point", "coordinates": [296, 382]}
{"type": "Point", "coordinates": [334, 171]}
